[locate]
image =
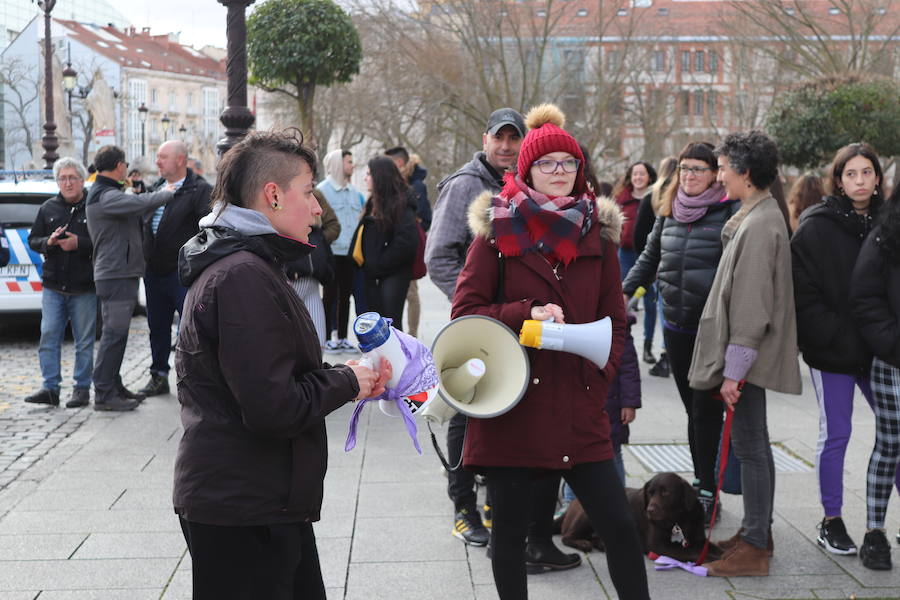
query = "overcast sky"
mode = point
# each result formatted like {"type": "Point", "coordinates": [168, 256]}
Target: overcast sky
{"type": "Point", "coordinates": [200, 22]}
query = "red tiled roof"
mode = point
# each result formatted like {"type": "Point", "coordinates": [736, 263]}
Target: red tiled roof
{"type": "Point", "coordinates": [664, 18]}
{"type": "Point", "coordinates": [142, 50]}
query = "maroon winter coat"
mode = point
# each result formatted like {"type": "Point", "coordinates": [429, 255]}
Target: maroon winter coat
{"type": "Point", "coordinates": [629, 206]}
{"type": "Point", "coordinates": [560, 422]}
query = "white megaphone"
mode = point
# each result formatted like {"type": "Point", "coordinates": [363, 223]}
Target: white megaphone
{"type": "Point", "coordinates": [592, 341]}
{"type": "Point", "coordinates": [482, 368]}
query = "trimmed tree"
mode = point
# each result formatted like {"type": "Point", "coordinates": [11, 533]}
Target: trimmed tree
{"type": "Point", "coordinates": [811, 122]}
{"type": "Point", "coordinates": [293, 46]}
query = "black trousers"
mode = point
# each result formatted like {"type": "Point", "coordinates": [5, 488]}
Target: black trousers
{"type": "Point", "coordinates": [601, 493]}
{"type": "Point", "coordinates": [276, 562]}
{"type": "Point", "coordinates": [387, 297]}
{"type": "Point", "coordinates": [336, 297]}
{"type": "Point", "coordinates": [705, 413]}
{"type": "Point", "coordinates": [460, 483]}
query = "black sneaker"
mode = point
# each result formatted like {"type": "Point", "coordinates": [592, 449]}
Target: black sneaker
{"type": "Point", "coordinates": [116, 405]}
{"type": "Point", "coordinates": [80, 397]}
{"type": "Point", "coordinates": [834, 538]}
{"type": "Point", "coordinates": [545, 556]}
{"type": "Point", "coordinates": [488, 520]}
{"type": "Point", "coordinates": [157, 386]}
{"type": "Point", "coordinates": [469, 528]}
{"type": "Point", "coordinates": [876, 552]}
{"type": "Point", "coordinates": [44, 396]}
{"type": "Point", "coordinates": [661, 368]}
{"type": "Point", "coordinates": [707, 501]}
{"type": "Point", "coordinates": [129, 395]}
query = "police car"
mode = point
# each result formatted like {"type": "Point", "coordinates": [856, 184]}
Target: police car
{"type": "Point", "coordinates": [20, 280]}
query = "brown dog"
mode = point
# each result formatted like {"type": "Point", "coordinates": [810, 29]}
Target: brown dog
{"type": "Point", "coordinates": [666, 501]}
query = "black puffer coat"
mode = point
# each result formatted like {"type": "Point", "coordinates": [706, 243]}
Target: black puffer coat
{"type": "Point", "coordinates": [684, 258]}
{"type": "Point", "coordinates": [823, 251]}
{"type": "Point", "coordinates": [875, 298]}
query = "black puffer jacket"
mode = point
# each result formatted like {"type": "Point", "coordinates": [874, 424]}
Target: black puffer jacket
{"type": "Point", "coordinates": [684, 258]}
{"type": "Point", "coordinates": [823, 251]}
{"type": "Point", "coordinates": [70, 272]}
{"type": "Point", "coordinates": [875, 298]}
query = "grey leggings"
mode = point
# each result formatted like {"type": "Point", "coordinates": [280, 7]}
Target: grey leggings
{"type": "Point", "coordinates": [750, 438]}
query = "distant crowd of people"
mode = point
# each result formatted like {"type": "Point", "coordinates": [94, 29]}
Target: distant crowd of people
{"type": "Point", "coordinates": [261, 268]}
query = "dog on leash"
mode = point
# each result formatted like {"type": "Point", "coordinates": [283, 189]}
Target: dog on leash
{"type": "Point", "coordinates": [668, 515]}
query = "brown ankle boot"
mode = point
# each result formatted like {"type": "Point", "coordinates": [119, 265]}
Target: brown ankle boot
{"type": "Point", "coordinates": [744, 560]}
{"type": "Point", "coordinates": [731, 543]}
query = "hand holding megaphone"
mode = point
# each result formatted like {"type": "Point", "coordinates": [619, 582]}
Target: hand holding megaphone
{"type": "Point", "coordinates": [548, 312]}
{"type": "Point", "coordinates": [370, 377]}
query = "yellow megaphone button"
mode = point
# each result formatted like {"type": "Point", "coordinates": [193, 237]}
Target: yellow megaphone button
{"type": "Point", "coordinates": [530, 335]}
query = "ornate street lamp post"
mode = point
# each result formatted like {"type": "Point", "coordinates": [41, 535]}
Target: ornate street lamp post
{"type": "Point", "coordinates": [49, 141]}
{"type": "Point", "coordinates": [142, 113]}
{"type": "Point", "coordinates": [237, 118]}
{"type": "Point", "coordinates": [165, 123]}
{"type": "Point", "coordinates": [70, 82]}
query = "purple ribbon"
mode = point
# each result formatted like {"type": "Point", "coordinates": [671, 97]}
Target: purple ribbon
{"type": "Point", "coordinates": [664, 563]}
{"type": "Point", "coordinates": [419, 375]}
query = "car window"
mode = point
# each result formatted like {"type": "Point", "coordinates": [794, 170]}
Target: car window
{"type": "Point", "coordinates": [20, 210]}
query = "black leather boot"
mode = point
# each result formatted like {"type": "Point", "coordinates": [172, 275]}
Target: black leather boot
{"type": "Point", "coordinates": [648, 353]}
{"type": "Point", "coordinates": [543, 555]}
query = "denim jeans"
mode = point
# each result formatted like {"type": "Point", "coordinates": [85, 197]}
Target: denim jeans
{"type": "Point", "coordinates": [750, 438]}
{"type": "Point", "coordinates": [57, 309]}
{"type": "Point", "coordinates": [165, 296]}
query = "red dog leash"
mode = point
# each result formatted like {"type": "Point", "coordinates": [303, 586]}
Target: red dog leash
{"type": "Point", "coordinates": [723, 463]}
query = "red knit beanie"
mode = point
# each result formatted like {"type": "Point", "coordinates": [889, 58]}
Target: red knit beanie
{"type": "Point", "coordinates": [545, 135]}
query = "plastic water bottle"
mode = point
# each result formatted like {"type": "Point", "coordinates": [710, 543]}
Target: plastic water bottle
{"type": "Point", "coordinates": [377, 341]}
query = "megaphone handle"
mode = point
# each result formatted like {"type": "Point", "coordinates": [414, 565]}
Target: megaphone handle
{"type": "Point", "coordinates": [440, 452]}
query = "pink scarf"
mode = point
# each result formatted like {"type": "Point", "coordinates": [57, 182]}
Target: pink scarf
{"type": "Point", "coordinates": [687, 209]}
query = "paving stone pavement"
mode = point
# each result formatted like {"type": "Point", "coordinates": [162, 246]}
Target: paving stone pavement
{"type": "Point", "coordinates": [28, 431]}
{"type": "Point", "coordinates": [88, 513]}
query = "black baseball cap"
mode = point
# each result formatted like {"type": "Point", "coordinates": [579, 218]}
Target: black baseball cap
{"type": "Point", "coordinates": [502, 117]}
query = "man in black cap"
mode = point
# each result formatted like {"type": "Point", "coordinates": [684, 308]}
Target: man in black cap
{"type": "Point", "coordinates": [445, 255]}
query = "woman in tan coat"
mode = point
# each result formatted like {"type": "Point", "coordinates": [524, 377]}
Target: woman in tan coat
{"type": "Point", "coordinates": [747, 341]}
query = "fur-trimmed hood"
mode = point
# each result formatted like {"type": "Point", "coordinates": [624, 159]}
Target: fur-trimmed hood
{"type": "Point", "coordinates": [607, 211]}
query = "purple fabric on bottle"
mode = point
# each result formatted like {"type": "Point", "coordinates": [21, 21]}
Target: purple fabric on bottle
{"type": "Point", "coordinates": [687, 209]}
{"type": "Point", "coordinates": [664, 563]}
{"type": "Point", "coordinates": [738, 360]}
{"type": "Point", "coordinates": [418, 376]}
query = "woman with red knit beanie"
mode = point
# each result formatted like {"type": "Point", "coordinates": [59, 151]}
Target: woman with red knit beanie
{"type": "Point", "coordinates": [558, 247]}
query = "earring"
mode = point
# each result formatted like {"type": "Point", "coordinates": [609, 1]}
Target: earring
{"type": "Point", "coordinates": [275, 206]}
{"type": "Point", "coordinates": [875, 193]}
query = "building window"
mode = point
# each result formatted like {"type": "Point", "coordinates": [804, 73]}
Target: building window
{"type": "Point", "coordinates": [684, 103]}
{"type": "Point", "coordinates": [171, 100]}
{"type": "Point", "coordinates": [700, 61]}
{"type": "Point", "coordinates": [617, 105]}
{"type": "Point", "coordinates": [613, 60]}
{"type": "Point", "coordinates": [622, 12]}
{"type": "Point", "coordinates": [137, 92]}
{"type": "Point", "coordinates": [711, 101]}
{"type": "Point", "coordinates": [658, 61]}
{"type": "Point", "coordinates": [154, 96]}
{"type": "Point", "coordinates": [190, 100]}
{"type": "Point", "coordinates": [686, 61]}
{"type": "Point", "coordinates": [698, 103]}
{"type": "Point", "coordinates": [582, 12]}
{"type": "Point", "coordinates": [713, 61]}
{"type": "Point", "coordinates": [542, 13]}
{"type": "Point", "coordinates": [210, 113]}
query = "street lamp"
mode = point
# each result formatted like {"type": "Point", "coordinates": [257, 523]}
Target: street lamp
{"type": "Point", "coordinates": [70, 81]}
{"type": "Point", "coordinates": [166, 121]}
{"type": "Point", "coordinates": [49, 141]}
{"type": "Point", "coordinates": [237, 118]}
{"type": "Point", "coordinates": [142, 113]}
{"type": "Point", "coordinates": [183, 131]}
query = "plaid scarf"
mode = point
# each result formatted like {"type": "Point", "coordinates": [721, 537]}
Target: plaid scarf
{"type": "Point", "coordinates": [525, 220]}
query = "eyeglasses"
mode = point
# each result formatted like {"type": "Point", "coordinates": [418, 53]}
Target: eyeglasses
{"type": "Point", "coordinates": [693, 170]}
{"type": "Point", "coordinates": [548, 167]}
{"type": "Point", "coordinates": [69, 179]}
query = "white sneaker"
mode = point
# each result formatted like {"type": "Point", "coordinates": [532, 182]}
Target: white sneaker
{"type": "Point", "coordinates": [345, 344]}
{"type": "Point", "coordinates": [332, 347]}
